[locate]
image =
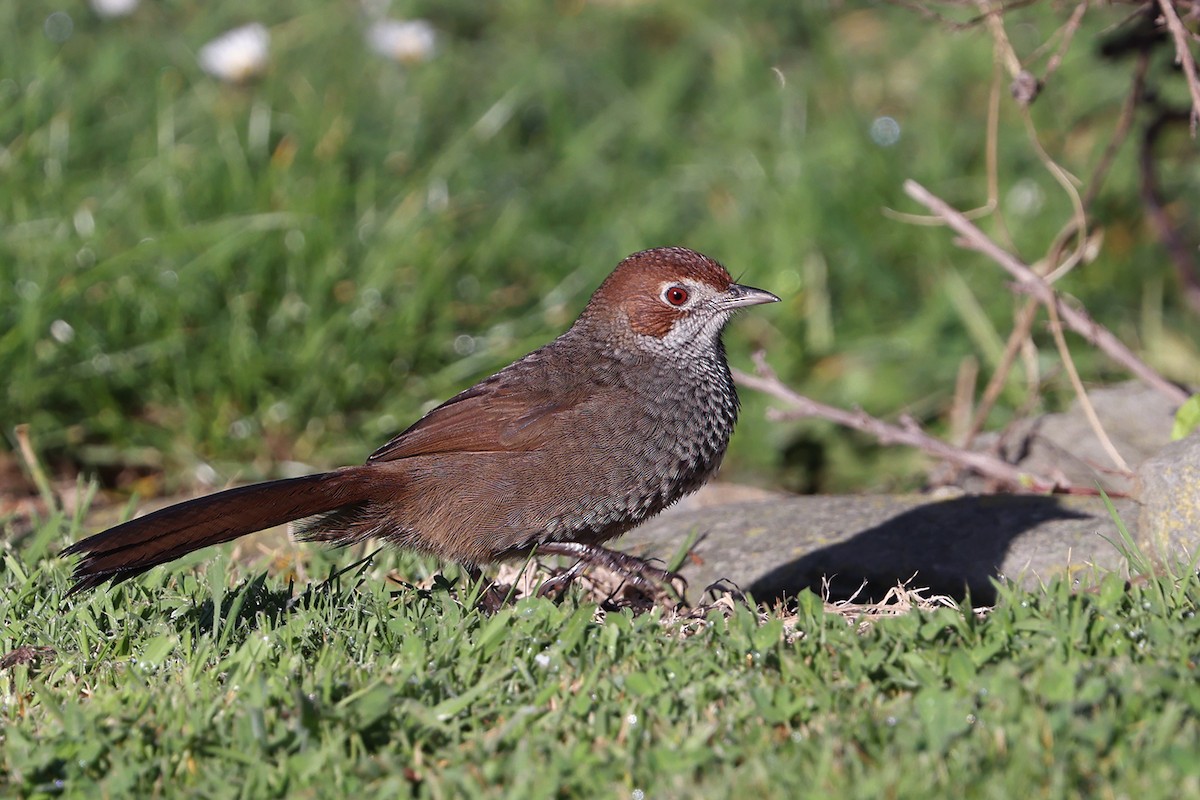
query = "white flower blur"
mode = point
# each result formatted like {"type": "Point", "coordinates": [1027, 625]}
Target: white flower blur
{"type": "Point", "coordinates": [407, 41]}
{"type": "Point", "coordinates": [62, 331]}
{"type": "Point", "coordinates": [237, 55]}
{"type": "Point", "coordinates": [114, 8]}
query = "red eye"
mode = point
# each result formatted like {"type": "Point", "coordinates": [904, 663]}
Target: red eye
{"type": "Point", "coordinates": [676, 295]}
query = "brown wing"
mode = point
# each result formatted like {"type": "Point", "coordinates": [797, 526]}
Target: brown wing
{"type": "Point", "coordinates": [493, 416]}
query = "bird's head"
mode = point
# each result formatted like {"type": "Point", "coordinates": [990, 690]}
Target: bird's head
{"type": "Point", "coordinates": [669, 298]}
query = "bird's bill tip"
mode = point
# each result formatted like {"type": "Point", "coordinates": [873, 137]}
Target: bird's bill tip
{"type": "Point", "coordinates": [739, 296]}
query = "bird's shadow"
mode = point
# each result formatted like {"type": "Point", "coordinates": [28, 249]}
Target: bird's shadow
{"type": "Point", "coordinates": [252, 604]}
{"type": "Point", "coordinates": [953, 547]}
{"type": "Point", "coordinates": [244, 607]}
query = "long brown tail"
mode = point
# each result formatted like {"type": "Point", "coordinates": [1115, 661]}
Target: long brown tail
{"type": "Point", "coordinates": [135, 546]}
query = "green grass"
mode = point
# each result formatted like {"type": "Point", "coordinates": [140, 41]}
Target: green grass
{"type": "Point", "coordinates": [349, 685]}
{"type": "Point", "coordinates": [294, 269]}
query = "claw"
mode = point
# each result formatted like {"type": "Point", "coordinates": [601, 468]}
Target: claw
{"type": "Point", "coordinates": [636, 571]}
{"type": "Point", "coordinates": [561, 582]}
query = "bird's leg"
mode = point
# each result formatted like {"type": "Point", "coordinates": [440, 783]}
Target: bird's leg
{"type": "Point", "coordinates": [637, 571]}
{"type": "Point", "coordinates": [487, 596]}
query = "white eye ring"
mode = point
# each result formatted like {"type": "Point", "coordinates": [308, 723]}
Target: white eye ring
{"type": "Point", "coordinates": [676, 295]}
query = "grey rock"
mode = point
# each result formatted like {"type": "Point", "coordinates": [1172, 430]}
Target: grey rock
{"type": "Point", "coordinates": [1169, 491]}
{"type": "Point", "coordinates": [772, 546]}
{"type": "Point", "coordinates": [1136, 418]}
{"type": "Point", "coordinates": [959, 546]}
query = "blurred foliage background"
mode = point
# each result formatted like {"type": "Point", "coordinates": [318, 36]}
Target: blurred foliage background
{"type": "Point", "coordinates": [205, 282]}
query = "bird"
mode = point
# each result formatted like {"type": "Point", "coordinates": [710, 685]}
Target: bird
{"type": "Point", "coordinates": [627, 411]}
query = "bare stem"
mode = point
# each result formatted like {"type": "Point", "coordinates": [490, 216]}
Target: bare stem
{"type": "Point", "coordinates": [1183, 57]}
{"type": "Point", "coordinates": [1030, 283]}
{"type": "Point", "coordinates": [907, 433]}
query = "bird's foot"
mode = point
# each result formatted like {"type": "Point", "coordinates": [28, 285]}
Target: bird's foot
{"type": "Point", "coordinates": [631, 569]}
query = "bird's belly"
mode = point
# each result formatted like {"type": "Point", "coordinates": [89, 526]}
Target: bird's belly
{"type": "Point", "coordinates": [482, 507]}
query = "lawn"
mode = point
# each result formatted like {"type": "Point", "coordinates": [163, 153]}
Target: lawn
{"type": "Point", "coordinates": [355, 684]}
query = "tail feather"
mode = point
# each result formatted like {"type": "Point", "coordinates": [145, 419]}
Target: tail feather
{"type": "Point", "coordinates": [135, 546]}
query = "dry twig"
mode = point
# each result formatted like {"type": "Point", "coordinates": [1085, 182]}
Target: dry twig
{"type": "Point", "coordinates": [907, 433]}
{"type": "Point", "coordinates": [1183, 57]}
{"type": "Point", "coordinates": [1173, 240]}
{"type": "Point", "coordinates": [1030, 283]}
{"type": "Point", "coordinates": [1026, 313]}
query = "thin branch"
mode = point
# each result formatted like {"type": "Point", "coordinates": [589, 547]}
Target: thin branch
{"type": "Point", "coordinates": [1124, 124]}
{"type": "Point", "coordinates": [1085, 402]}
{"type": "Point", "coordinates": [1068, 33]}
{"type": "Point", "coordinates": [1179, 251]}
{"type": "Point", "coordinates": [1076, 319]}
{"type": "Point", "coordinates": [928, 13]}
{"type": "Point", "coordinates": [992, 153]}
{"type": "Point", "coordinates": [992, 157]}
{"type": "Point", "coordinates": [961, 414]}
{"type": "Point", "coordinates": [1025, 314]}
{"type": "Point", "coordinates": [1183, 57]}
{"type": "Point", "coordinates": [991, 393]}
{"type": "Point", "coordinates": [1004, 48]}
{"type": "Point", "coordinates": [908, 433]}
{"type": "Point", "coordinates": [1096, 180]}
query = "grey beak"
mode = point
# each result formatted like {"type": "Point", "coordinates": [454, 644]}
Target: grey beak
{"type": "Point", "coordinates": [737, 296]}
